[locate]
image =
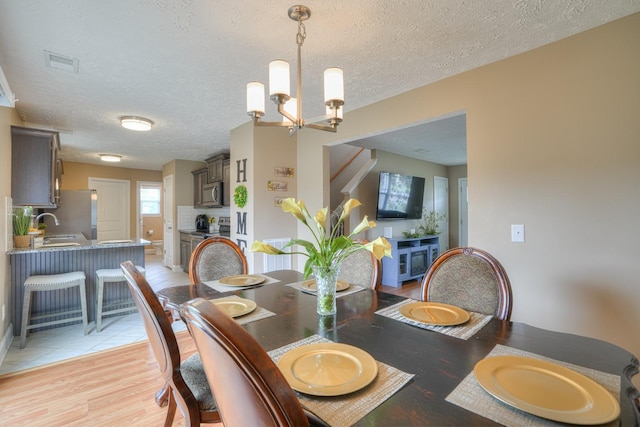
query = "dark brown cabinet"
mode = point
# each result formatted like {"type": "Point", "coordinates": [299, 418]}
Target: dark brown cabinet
{"type": "Point", "coordinates": [226, 184]}
{"type": "Point", "coordinates": [215, 167]}
{"type": "Point", "coordinates": [35, 179]}
{"type": "Point", "coordinates": [199, 180]}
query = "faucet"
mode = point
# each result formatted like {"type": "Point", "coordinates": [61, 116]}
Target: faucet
{"type": "Point", "coordinates": [55, 219]}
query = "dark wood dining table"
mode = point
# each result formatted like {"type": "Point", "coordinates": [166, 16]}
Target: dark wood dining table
{"type": "Point", "coordinates": [439, 362]}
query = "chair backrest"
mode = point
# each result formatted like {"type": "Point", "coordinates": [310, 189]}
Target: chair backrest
{"type": "Point", "coordinates": [361, 268]}
{"type": "Point", "coordinates": [215, 258]}
{"type": "Point", "coordinates": [469, 278]}
{"type": "Point", "coordinates": [161, 337]}
{"type": "Point", "coordinates": [250, 389]}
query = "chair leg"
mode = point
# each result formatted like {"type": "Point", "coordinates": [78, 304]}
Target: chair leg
{"type": "Point", "coordinates": [83, 304]}
{"type": "Point", "coordinates": [26, 315]}
{"type": "Point", "coordinates": [163, 395]}
{"type": "Point", "coordinates": [99, 291]}
{"type": "Point", "coordinates": [171, 409]}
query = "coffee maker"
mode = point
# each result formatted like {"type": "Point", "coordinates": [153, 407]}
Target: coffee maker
{"type": "Point", "coordinates": [202, 223]}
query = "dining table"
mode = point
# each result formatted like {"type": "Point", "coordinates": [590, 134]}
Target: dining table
{"type": "Point", "coordinates": [436, 366]}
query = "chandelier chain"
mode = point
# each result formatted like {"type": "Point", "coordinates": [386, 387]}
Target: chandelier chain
{"type": "Point", "coordinates": [302, 33]}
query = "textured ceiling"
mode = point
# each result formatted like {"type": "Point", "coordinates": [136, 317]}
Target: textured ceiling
{"type": "Point", "coordinates": [184, 64]}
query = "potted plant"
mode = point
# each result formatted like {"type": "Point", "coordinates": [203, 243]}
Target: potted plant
{"type": "Point", "coordinates": [327, 250]}
{"type": "Point", "coordinates": [429, 224]}
{"type": "Point", "coordinates": [21, 222]}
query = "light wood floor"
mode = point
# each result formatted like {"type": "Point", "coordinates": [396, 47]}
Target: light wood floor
{"type": "Point", "coordinates": [112, 388]}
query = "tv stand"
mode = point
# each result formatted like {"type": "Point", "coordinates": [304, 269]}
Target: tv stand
{"type": "Point", "coordinates": [411, 259]}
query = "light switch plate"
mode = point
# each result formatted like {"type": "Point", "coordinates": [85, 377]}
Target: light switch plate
{"type": "Point", "coordinates": [517, 233]}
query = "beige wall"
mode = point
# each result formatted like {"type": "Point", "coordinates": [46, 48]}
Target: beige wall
{"type": "Point", "coordinates": [76, 177]}
{"type": "Point", "coordinates": [8, 117]}
{"type": "Point", "coordinates": [552, 144]}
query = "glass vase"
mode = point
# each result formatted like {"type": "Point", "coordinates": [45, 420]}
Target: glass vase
{"type": "Point", "coordinates": [326, 279]}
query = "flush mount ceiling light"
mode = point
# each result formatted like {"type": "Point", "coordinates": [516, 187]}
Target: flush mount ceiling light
{"type": "Point", "coordinates": [110, 157]}
{"type": "Point", "coordinates": [279, 89]}
{"type": "Point", "coordinates": [136, 123]}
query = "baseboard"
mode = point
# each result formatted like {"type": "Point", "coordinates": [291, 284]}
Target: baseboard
{"type": "Point", "coordinates": [6, 342]}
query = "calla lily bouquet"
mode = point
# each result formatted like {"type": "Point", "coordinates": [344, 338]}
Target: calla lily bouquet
{"type": "Point", "coordinates": [326, 250]}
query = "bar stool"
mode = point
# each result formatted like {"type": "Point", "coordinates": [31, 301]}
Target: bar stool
{"type": "Point", "coordinates": [111, 275]}
{"type": "Point", "coordinates": [51, 283]}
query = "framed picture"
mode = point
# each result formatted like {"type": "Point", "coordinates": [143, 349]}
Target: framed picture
{"type": "Point", "coordinates": [283, 172]}
{"type": "Point", "coordinates": [277, 186]}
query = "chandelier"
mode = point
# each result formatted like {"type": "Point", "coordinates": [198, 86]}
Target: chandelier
{"type": "Point", "coordinates": [279, 89]}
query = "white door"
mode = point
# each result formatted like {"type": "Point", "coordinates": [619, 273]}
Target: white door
{"type": "Point", "coordinates": [114, 210]}
{"type": "Point", "coordinates": [168, 221]}
{"type": "Point", "coordinates": [441, 207]}
{"type": "Point", "coordinates": [463, 211]}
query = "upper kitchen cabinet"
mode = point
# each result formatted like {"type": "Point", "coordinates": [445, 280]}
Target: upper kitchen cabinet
{"type": "Point", "coordinates": [199, 180]}
{"type": "Point", "coordinates": [34, 167]}
{"type": "Point", "coordinates": [215, 167]}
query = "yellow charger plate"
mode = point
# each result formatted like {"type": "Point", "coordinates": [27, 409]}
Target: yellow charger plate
{"type": "Point", "coordinates": [434, 313]}
{"type": "Point", "coordinates": [242, 280]}
{"type": "Point", "coordinates": [328, 369]}
{"type": "Point", "coordinates": [546, 389]}
{"type": "Point", "coordinates": [310, 285]}
{"type": "Point", "coordinates": [235, 307]}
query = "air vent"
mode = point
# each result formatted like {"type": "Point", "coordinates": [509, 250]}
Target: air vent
{"type": "Point", "coordinates": [61, 62]}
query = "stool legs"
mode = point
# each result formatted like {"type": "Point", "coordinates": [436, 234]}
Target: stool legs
{"type": "Point", "coordinates": [83, 303]}
{"type": "Point", "coordinates": [26, 315]}
{"type": "Point", "coordinates": [99, 293]}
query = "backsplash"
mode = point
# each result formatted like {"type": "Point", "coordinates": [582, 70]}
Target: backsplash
{"type": "Point", "coordinates": [187, 215]}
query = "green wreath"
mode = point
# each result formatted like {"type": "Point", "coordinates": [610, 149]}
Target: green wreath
{"type": "Point", "coordinates": [240, 196]}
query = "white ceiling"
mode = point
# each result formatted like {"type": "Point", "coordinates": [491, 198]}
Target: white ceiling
{"type": "Point", "coordinates": [184, 64]}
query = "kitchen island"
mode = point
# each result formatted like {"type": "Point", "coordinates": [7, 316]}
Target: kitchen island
{"type": "Point", "coordinates": [63, 256]}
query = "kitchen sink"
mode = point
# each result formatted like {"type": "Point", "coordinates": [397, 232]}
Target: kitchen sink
{"type": "Point", "coordinates": [58, 245]}
{"type": "Point", "coordinates": [55, 238]}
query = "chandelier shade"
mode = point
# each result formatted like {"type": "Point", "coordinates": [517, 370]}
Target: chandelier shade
{"type": "Point", "coordinates": [280, 89]}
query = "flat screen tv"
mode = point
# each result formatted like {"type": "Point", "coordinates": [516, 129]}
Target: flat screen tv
{"type": "Point", "coordinates": [399, 196]}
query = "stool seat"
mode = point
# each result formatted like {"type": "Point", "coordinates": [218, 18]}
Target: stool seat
{"type": "Point", "coordinates": [110, 275]}
{"type": "Point", "coordinates": [52, 282]}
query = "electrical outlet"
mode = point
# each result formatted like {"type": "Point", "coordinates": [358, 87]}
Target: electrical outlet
{"type": "Point", "coordinates": [517, 233]}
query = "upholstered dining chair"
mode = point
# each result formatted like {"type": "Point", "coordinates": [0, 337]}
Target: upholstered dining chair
{"type": "Point", "coordinates": [361, 268]}
{"type": "Point", "coordinates": [214, 258]}
{"type": "Point", "coordinates": [186, 384]}
{"type": "Point", "coordinates": [469, 278]}
{"type": "Point", "coordinates": [250, 389]}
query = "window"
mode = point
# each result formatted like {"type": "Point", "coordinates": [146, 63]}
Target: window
{"type": "Point", "coordinates": [150, 196]}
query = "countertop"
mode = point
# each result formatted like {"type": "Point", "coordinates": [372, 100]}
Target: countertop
{"type": "Point", "coordinates": [203, 234]}
{"type": "Point", "coordinates": [80, 244]}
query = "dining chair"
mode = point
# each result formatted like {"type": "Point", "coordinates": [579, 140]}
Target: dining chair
{"type": "Point", "coordinates": [250, 389]}
{"type": "Point", "coordinates": [469, 278]}
{"type": "Point", "coordinates": [186, 385]}
{"type": "Point", "coordinates": [361, 268]}
{"type": "Point", "coordinates": [214, 258]}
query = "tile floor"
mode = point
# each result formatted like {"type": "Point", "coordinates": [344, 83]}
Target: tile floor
{"type": "Point", "coordinates": [65, 342]}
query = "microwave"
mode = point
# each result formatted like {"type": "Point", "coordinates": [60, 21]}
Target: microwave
{"type": "Point", "coordinates": [212, 195]}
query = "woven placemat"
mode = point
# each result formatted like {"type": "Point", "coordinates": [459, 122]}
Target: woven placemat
{"type": "Point", "coordinates": [215, 284]}
{"type": "Point", "coordinates": [465, 331]}
{"type": "Point", "coordinates": [470, 395]}
{"type": "Point", "coordinates": [257, 314]}
{"type": "Point", "coordinates": [352, 289]}
{"type": "Point", "coordinates": [346, 410]}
